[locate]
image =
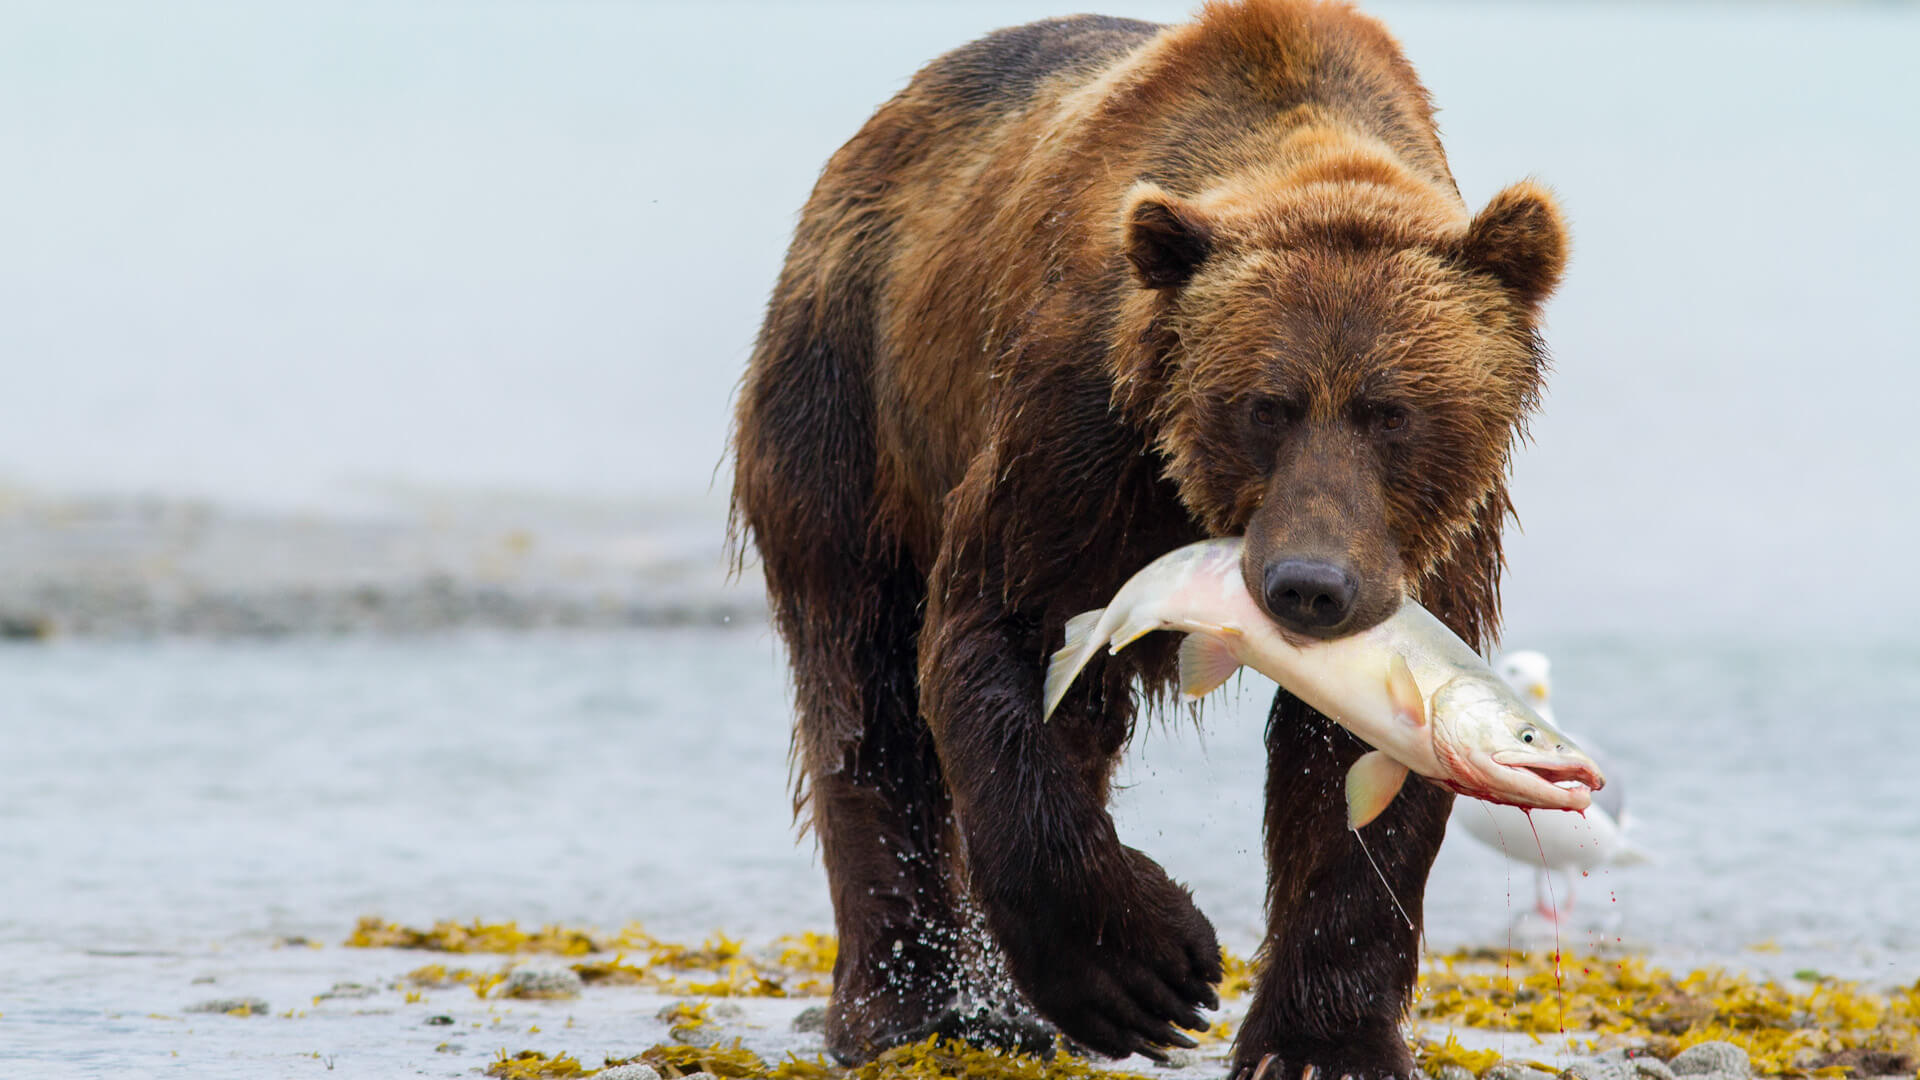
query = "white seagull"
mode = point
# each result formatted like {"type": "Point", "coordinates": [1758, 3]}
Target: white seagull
{"type": "Point", "coordinates": [1571, 843]}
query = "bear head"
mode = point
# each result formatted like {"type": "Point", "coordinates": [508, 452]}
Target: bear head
{"type": "Point", "coordinates": [1338, 372]}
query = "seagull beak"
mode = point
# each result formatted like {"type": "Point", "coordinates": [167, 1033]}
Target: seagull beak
{"type": "Point", "coordinates": [1537, 691]}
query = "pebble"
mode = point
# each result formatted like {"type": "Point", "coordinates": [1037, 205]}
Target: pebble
{"type": "Point", "coordinates": [255, 1006]}
{"type": "Point", "coordinates": [1619, 1064]}
{"type": "Point", "coordinates": [350, 990]}
{"type": "Point", "coordinates": [1718, 1060]}
{"type": "Point", "coordinates": [1604, 1067]}
{"type": "Point", "coordinates": [1454, 1072]}
{"type": "Point", "coordinates": [702, 1035]}
{"type": "Point", "coordinates": [1647, 1067]}
{"type": "Point", "coordinates": [633, 1070]}
{"type": "Point", "coordinates": [541, 983]}
{"type": "Point", "coordinates": [1180, 1057]}
{"type": "Point", "coordinates": [1516, 1069]}
{"type": "Point", "coordinates": [812, 1020]}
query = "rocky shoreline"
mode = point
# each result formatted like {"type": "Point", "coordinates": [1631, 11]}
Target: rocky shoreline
{"type": "Point", "coordinates": [724, 1009]}
{"type": "Point", "coordinates": [146, 567]}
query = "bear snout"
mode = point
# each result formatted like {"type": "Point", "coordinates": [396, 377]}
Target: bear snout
{"type": "Point", "coordinates": [1310, 596]}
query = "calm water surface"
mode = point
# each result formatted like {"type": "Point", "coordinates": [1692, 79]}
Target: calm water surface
{"type": "Point", "coordinates": [158, 795]}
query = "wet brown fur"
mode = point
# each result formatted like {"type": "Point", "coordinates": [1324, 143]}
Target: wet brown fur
{"type": "Point", "coordinates": [1012, 357]}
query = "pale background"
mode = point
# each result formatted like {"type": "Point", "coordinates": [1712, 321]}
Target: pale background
{"type": "Point", "coordinates": [311, 255]}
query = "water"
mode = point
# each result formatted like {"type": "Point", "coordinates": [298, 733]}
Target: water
{"type": "Point", "coordinates": [192, 801]}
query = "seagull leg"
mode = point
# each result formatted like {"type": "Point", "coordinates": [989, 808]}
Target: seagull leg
{"type": "Point", "coordinates": [1543, 895]}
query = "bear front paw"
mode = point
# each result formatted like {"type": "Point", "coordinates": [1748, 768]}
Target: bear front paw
{"type": "Point", "coordinates": [1124, 977]}
{"type": "Point", "coordinates": [1271, 1067]}
{"type": "Point", "coordinates": [1365, 1055]}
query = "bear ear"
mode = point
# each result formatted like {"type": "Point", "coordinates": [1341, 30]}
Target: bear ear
{"type": "Point", "coordinates": [1167, 239]}
{"type": "Point", "coordinates": [1520, 239]}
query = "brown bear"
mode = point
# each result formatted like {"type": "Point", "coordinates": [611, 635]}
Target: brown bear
{"type": "Point", "coordinates": [1085, 291]}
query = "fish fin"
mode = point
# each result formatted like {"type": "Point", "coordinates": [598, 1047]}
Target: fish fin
{"type": "Point", "coordinates": [1371, 785]}
{"type": "Point", "coordinates": [1071, 657]}
{"type": "Point", "coordinates": [1205, 663]}
{"type": "Point", "coordinates": [1131, 632]}
{"type": "Point", "coordinates": [1404, 692]}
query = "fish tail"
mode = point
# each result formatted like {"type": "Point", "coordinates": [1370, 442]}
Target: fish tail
{"type": "Point", "coordinates": [1071, 657]}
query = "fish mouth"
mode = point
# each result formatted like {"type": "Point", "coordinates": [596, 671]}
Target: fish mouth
{"type": "Point", "coordinates": [1560, 774]}
{"type": "Point", "coordinates": [1538, 781]}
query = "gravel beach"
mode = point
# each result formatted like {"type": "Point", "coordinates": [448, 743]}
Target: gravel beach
{"type": "Point", "coordinates": [461, 999]}
{"type": "Point", "coordinates": [139, 567]}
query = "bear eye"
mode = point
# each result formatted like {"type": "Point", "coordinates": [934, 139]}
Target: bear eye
{"type": "Point", "coordinates": [1385, 419]}
{"type": "Point", "coordinates": [1266, 413]}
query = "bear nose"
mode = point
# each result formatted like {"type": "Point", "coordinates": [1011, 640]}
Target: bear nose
{"type": "Point", "coordinates": [1308, 595]}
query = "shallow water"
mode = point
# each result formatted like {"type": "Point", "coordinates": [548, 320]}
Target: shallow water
{"type": "Point", "coordinates": [191, 802]}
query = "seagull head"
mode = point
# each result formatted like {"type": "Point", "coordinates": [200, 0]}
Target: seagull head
{"type": "Point", "coordinates": [1526, 672]}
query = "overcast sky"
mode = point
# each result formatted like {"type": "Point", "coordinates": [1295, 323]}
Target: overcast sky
{"type": "Point", "coordinates": [277, 253]}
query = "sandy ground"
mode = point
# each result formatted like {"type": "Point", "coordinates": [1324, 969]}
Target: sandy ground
{"type": "Point", "coordinates": [332, 1011]}
{"type": "Point", "coordinates": [259, 1006]}
{"type": "Point", "coordinates": [322, 1009]}
{"type": "Point", "coordinates": [111, 566]}
{"type": "Point", "coordinates": [328, 1010]}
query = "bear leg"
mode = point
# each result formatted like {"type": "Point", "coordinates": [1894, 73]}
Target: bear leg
{"type": "Point", "coordinates": [1343, 941]}
{"type": "Point", "coordinates": [880, 809]}
{"type": "Point", "coordinates": [846, 598]}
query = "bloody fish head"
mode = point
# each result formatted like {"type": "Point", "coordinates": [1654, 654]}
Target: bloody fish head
{"type": "Point", "coordinates": [1495, 748]}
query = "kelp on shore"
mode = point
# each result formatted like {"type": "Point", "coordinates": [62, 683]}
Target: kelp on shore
{"type": "Point", "coordinates": [933, 1059]}
{"type": "Point", "coordinates": [1624, 1001]}
{"type": "Point", "coordinates": [1814, 1027]}
{"type": "Point", "coordinates": [796, 965]}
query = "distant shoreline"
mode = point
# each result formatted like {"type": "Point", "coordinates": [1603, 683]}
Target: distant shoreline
{"type": "Point", "coordinates": [140, 567]}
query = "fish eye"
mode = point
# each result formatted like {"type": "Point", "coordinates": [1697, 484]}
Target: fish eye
{"type": "Point", "coordinates": [1527, 734]}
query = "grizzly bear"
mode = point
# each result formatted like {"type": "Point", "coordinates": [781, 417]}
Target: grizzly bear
{"type": "Point", "coordinates": [1085, 291]}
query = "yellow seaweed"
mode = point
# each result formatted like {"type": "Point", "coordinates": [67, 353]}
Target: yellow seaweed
{"type": "Point", "coordinates": [1238, 975]}
{"type": "Point", "coordinates": [718, 967]}
{"type": "Point", "coordinates": [373, 932]}
{"type": "Point", "coordinates": [1618, 1000]}
{"type": "Point", "coordinates": [936, 1059]}
{"type": "Point", "coordinates": [1627, 1001]}
{"type": "Point", "coordinates": [808, 951]}
{"type": "Point", "coordinates": [731, 1060]}
{"type": "Point", "coordinates": [933, 1059]}
{"type": "Point", "coordinates": [534, 1065]}
{"type": "Point", "coordinates": [1431, 1056]}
